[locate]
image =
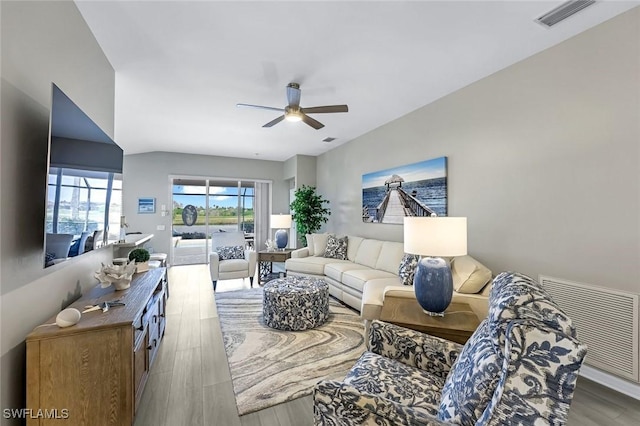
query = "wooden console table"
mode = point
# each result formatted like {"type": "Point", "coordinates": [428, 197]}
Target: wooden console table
{"type": "Point", "coordinates": [96, 369]}
{"type": "Point", "coordinates": [458, 323]}
{"type": "Point", "coordinates": [266, 259]}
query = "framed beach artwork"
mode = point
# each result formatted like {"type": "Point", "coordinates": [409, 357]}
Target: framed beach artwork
{"type": "Point", "coordinates": [146, 205]}
{"type": "Point", "coordinates": [418, 189]}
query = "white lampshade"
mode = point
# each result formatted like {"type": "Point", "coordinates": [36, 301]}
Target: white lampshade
{"type": "Point", "coordinates": [435, 236]}
{"type": "Point", "coordinates": [280, 221]}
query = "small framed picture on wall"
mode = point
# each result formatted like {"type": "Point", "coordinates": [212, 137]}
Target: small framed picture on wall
{"type": "Point", "coordinates": [146, 205]}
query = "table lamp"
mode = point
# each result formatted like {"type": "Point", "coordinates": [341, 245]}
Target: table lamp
{"type": "Point", "coordinates": [281, 222]}
{"type": "Point", "coordinates": [431, 238]}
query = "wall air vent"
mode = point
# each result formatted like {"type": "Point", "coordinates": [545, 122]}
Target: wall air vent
{"type": "Point", "coordinates": [329, 139]}
{"type": "Point", "coordinates": [563, 11]}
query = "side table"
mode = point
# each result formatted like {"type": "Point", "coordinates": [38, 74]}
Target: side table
{"type": "Point", "coordinates": [266, 259]}
{"type": "Point", "coordinates": [458, 323]}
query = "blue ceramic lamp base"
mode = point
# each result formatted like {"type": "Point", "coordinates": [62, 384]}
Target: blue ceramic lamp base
{"type": "Point", "coordinates": [433, 285]}
{"type": "Point", "coordinates": [282, 238]}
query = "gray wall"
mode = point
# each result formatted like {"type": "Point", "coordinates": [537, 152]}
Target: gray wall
{"type": "Point", "coordinates": [42, 42]}
{"type": "Point", "coordinates": [543, 159]}
{"type": "Point", "coordinates": [147, 175]}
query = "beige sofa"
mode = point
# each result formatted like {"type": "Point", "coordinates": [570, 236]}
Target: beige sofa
{"type": "Point", "coordinates": [371, 271]}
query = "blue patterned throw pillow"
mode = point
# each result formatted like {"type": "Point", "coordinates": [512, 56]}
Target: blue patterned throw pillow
{"type": "Point", "coordinates": [407, 268]}
{"type": "Point", "coordinates": [336, 248]}
{"type": "Point", "coordinates": [230, 252]}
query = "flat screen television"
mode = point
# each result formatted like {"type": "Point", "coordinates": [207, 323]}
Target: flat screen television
{"type": "Point", "coordinates": [84, 183]}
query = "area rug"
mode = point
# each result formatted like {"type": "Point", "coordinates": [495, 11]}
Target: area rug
{"type": "Point", "coordinates": [268, 366]}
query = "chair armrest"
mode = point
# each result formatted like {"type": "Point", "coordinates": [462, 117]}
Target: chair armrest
{"type": "Point", "coordinates": [214, 265]}
{"type": "Point", "coordinates": [251, 256]}
{"type": "Point", "coordinates": [301, 252]}
{"type": "Point", "coordinates": [336, 403]}
{"type": "Point", "coordinates": [413, 348]}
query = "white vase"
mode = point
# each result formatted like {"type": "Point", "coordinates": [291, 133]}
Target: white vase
{"type": "Point", "coordinates": [122, 284]}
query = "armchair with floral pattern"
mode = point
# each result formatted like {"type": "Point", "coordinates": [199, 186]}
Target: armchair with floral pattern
{"type": "Point", "coordinates": [519, 367]}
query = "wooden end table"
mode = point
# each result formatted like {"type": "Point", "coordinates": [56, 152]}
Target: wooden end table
{"type": "Point", "coordinates": [458, 323]}
{"type": "Point", "coordinates": [266, 259]}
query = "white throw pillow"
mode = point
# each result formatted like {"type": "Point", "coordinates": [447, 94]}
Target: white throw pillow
{"type": "Point", "coordinates": [319, 244]}
{"type": "Point", "coordinates": [469, 275]}
{"type": "Point", "coordinates": [310, 244]}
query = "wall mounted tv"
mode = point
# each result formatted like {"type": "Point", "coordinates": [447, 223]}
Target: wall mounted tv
{"type": "Point", "coordinates": [84, 183]}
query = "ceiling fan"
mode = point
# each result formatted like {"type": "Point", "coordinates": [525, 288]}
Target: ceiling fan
{"type": "Point", "coordinates": [294, 112]}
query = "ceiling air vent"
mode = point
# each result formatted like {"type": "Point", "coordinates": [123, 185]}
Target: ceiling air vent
{"type": "Point", "coordinates": [563, 11]}
{"type": "Point", "coordinates": [329, 139]}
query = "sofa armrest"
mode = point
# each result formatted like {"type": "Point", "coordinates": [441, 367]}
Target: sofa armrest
{"type": "Point", "coordinates": [301, 252]}
{"type": "Point", "coordinates": [339, 404]}
{"type": "Point", "coordinates": [252, 257]}
{"type": "Point", "coordinates": [214, 265]}
{"type": "Point", "coordinates": [413, 348]}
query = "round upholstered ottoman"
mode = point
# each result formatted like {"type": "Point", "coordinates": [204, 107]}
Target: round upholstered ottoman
{"type": "Point", "coordinates": [295, 303]}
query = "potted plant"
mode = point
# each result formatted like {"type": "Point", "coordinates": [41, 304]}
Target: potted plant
{"type": "Point", "coordinates": [141, 258]}
{"type": "Point", "coordinates": [309, 212]}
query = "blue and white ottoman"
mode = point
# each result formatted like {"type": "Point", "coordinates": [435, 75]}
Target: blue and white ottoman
{"type": "Point", "coordinates": [295, 303]}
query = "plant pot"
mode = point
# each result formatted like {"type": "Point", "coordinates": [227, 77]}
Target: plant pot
{"type": "Point", "coordinates": [142, 266]}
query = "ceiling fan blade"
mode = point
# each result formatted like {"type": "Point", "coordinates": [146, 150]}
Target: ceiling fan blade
{"type": "Point", "coordinates": [293, 94]}
{"type": "Point", "coordinates": [260, 106]}
{"type": "Point", "coordinates": [326, 108]}
{"type": "Point", "coordinates": [274, 122]}
{"type": "Point", "coordinates": [312, 122]}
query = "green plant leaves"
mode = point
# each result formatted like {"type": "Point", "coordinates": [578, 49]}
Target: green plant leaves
{"type": "Point", "coordinates": [309, 212]}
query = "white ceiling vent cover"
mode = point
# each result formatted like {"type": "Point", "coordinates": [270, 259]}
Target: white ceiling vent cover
{"type": "Point", "coordinates": [563, 11]}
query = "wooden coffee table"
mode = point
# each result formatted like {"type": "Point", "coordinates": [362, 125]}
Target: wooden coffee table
{"type": "Point", "coordinates": [458, 323]}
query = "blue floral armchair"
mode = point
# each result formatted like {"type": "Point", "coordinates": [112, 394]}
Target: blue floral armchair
{"type": "Point", "coordinates": [518, 368]}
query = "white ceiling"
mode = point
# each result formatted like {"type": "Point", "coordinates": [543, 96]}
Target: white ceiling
{"type": "Point", "coordinates": [181, 66]}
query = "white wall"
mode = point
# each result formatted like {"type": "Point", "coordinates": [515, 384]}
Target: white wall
{"type": "Point", "coordinates": [543, 159]}
{"type": "Point", "coordinates": [147, 175]}
{"type": "Point", "coordinates": [42, 42]}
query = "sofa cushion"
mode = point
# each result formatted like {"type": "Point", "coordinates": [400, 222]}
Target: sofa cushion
{"type": "Point", "coordinates": [234, 265]}
{"type": "Point", "coordinates": [336, 248]}
{"type": "Point", "coordinates": [319, 244]}
{"type": "Point", "coordinates": [472, 380]}
{"type": "Point", "coordinates": [353, 246]}
{"type": "Point", "coordinates": [469, 275]}
{"type": "Point", "coordinates": [368, 253]}
{"type": "Point", "coordinates": [374, 374]}
{"type": "Point", "coordinates": [407, 269]}
{"type": "Point", "coordinates": [308, 265]}
{"type": "Point", "coordinates": [390, 256]}
{"type": "Point", "coordinates": [336, 268]}
{"type": "Point", "coordinates": [357, 277]}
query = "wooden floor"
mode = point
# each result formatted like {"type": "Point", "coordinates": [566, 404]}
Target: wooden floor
{"type": "Point", "coordinates": [190, 382]}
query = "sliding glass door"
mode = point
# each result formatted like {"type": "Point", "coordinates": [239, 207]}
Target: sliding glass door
{"type": "Point", "coordinates": [204, 206]}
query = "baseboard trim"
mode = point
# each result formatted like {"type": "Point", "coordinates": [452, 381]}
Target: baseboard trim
{"type": "Point", "coordinates": [620, 385]}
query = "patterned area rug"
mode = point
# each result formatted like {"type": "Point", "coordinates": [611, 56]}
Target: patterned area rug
{"type": "Point", "coordinates": [268, 366]}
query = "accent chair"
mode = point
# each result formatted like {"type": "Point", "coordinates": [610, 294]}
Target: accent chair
{"type": "Point", "coordinates": [518, 368]}
{"type": "Point", "coordinates": [58, 245]}
{"type": "Point", "coordinates": [230, 258]}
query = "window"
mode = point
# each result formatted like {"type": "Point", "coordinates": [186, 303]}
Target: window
{"type": "Point", "coordinates": [83, 201]}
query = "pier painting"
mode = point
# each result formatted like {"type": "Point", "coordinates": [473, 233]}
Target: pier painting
{"type": "Point", "coordinates": [418, 189]}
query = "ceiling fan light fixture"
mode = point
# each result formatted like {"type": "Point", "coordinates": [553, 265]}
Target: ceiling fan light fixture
{"type": "Point", "coordinates": [292, 115]}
